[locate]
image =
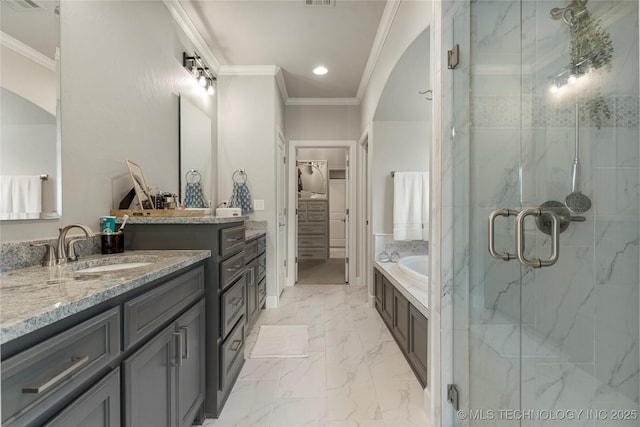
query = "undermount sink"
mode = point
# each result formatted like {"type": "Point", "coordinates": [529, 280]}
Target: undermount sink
{"type": "Point", "coordinates": [112, 267]}
{"type": "Point", "coordinates": [110, 263]}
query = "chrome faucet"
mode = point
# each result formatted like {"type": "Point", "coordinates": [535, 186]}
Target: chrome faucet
{"type": "Point", "coordinates": [69, 254]}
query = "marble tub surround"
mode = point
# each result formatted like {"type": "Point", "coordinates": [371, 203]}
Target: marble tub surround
{"type": "Point", "coordinates": [385, 242]}
{"type": "Point", "coordinates": [22, 254]}
{"type": "Point", "coordinates": [415, 291]}
{"type": "Point", "coordinates": [35, 297]}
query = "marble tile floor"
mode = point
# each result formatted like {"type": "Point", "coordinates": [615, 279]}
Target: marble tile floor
{"type": "Point", "coordinates": [355, 374]}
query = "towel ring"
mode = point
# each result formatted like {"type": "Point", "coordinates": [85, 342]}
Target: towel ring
{"type": "Point", "coordinates": [192, 175]}
{"type": "Point", "coordinates": [239, 176]}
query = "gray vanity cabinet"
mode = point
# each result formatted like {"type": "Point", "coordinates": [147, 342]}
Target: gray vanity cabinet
{"type": "Point", "coordinates": [255, 259]}
{"type": "Point", "coordinates": [387, 302]}
{"type": "Point", "coordinates": [97, 407]}
{"type": "Point", "coordinates": [164, 384]}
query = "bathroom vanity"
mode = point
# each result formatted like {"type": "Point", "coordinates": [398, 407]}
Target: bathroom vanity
{"type": "Point", "coordinates": [226, 286]}
{"type": "Point", "coordinates": [86, 347]}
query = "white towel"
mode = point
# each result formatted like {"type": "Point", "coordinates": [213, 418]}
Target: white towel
{"type": "Point", "coordinates": [425, 207]}
{"type": "Point", "coordinates": [408, 205]}
{"type": "Point", "coordinates": [21, 196]}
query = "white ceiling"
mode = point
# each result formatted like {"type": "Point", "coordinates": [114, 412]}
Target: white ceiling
{"type": "Point", "coordinates": [295, 37]}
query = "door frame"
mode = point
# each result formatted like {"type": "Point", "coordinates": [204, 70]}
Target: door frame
{"type": "Point", "coordinates": [365, 253]}
{"type": "Point", "coordinates": [292, 204]}
{"type": "Point", "coordinates": [281, 196]}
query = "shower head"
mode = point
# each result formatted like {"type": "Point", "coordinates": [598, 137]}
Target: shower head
{"type": "Point", "coordinates": [566, 13]}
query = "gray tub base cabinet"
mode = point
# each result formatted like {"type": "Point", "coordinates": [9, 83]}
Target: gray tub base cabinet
{"type": "Point", "coordinates": [408, 326]}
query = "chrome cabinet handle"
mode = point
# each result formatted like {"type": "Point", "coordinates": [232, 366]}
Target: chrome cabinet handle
{"type": "Point", "coordinates": [186, 342]}
{"type": "Point", "coordinates": [77, 363]}
{"type": "Point", "coordinates": [505, 256]}
{"type": "Point", "coordinates": [178, 336]}
{"type": "Point", "coordinates": [555, 237]}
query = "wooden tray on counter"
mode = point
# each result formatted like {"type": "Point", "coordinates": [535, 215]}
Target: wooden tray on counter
{"type": "Point", "coordinates": [157, 212]}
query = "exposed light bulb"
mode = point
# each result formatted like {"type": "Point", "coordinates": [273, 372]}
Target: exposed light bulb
{"type": "Point", "coordinates": [572, 79]}
{"type": "Point", "coordinates": [554, 88]}
{"type": "Point", "coordinates": [202, 81]}
{"type": "Point", "coordinates": [194, 71]}
{"type": "Point", "coordinates": [210, 89]}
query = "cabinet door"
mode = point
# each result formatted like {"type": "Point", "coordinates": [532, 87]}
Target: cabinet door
{"type": "Point", "coordinates": [191, 366]}
{"type": "Point", "coordinates": [97, 407]}
{"type": "Point", "coordinates": [400, 319]}
{"type": "Point", "coordinates": [149, 382]}
{"type": "Point", "coordinates": [378, 289]}
{"type": "Point", "coordinates": [418, 344]}
{"type": "Point", "coordinates": [387, 302]}
{"type": "Point", "coordinates": [252, 295]}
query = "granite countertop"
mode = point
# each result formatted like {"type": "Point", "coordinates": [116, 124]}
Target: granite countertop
{"type": "Point", "coordinates": [416, 293]}
{"type": "Point", "coordinates": [207, 219]}
{"type": "Point", "coordinates": [253, 234]}
{"type": "Point", "coordinates": [35, 297]}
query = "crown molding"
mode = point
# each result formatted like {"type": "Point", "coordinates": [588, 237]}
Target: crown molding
{"type": "Point", "coordinates": [27, 51]}
{"type": "Point", "coordinates": [322, 101]}
{"type": "Point", "coordinates": [388, 15]}
{"type": "Point", "coordinates": [249, 70]}
{"type": "Point", "coordinates": [187, 25]}
{"type": "Point", "coordinates": [282, 85]}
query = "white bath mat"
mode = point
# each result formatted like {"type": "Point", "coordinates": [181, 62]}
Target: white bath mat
{"type": "Point", "coordinates": [281, 341]}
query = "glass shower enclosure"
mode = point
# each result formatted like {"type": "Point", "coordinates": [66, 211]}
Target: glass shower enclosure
{"type": "Point", "coordinates": [540, 321]}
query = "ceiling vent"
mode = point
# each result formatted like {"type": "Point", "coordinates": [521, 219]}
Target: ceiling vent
{"type": "Point", "coordinates": [320, 3]}
{"type": "Point", "coordinates": [23, 5]}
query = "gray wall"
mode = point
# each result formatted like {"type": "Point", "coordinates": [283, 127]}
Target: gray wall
{"type": "Point", "coordinates": [396, 146]}
{"type": "Point", "coordinates": [334, 122]}
{"type": "Point", "coordinates": [250, 113]}
{"type": "Point", "coordinates": [121, 75]}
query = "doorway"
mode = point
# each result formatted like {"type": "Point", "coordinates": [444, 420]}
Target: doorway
{"type": "Point", "coordinates": [319, 212]}
{"type": "Point", "coordinates": [322, 214]}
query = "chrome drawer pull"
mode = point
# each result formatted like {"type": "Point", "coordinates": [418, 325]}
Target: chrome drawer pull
{"type": "Point", "coordinates": [236, 301]}
{"type": "Point", "coordinates": [235, 239]}
{"type": "Point", "coordinates": [78, 362]}
{"type": "Point", "coordinates": [235, 345]}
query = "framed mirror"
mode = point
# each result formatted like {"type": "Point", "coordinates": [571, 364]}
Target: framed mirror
{"type": "Point", "coordinates": [195, 152]}
{"type": "Point", "coordinates": [30, 139]}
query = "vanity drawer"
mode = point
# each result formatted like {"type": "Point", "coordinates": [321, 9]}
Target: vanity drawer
{"type": "Point", "coordinates": [312, 242]}
{"type": "Point", "coordinates": [316, 216]}
{"type": "Point", "coordinates": [37, 379]}
{"type": "Point", "coordinates": [232, 306]}
{"type": "Point", "coordinates": [147, 313]}
{"type": "Point", "coordinates": [231, 240]}
{"type": "Point", "coordinates": [302, 217]}
{"type": "Point", "coordinates": [317, 206]}
{"type": "Point", "coordinates": [261, 267]}
{"type": "Point", "coordinates": [231, 269]}
{"type": "Point", "coordinates": [302, 207]}
{"type": "Point", "coordinates": [231, 356]}
{"type": "Point", "coordinates": [262, 293]}
{"type": "Point", "coordinates": [309, 253]}
{"type": "Point", "coordinates": [262, 244]}
{"type": "Point", "coordinates": [250, 250]}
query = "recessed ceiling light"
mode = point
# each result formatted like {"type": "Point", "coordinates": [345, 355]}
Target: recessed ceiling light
{"type": "Point", "coordinates": [320, 71]}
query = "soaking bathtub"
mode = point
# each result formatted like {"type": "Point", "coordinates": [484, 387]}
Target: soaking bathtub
{"type": "Point", "coordinates": [411, 276]}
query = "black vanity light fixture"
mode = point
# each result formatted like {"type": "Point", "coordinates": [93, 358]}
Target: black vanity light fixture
{"type": "Point", "coordinates": [199, 70]}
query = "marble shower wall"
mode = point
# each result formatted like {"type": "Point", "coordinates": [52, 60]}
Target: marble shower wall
{"type": "Point", "coordinates": [576, 323]}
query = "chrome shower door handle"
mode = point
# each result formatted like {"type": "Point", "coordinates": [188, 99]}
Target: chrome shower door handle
{"type": "Point", "coordinates": [555, 238]}
{"type": "Point", "coordinates": [505, 256]}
